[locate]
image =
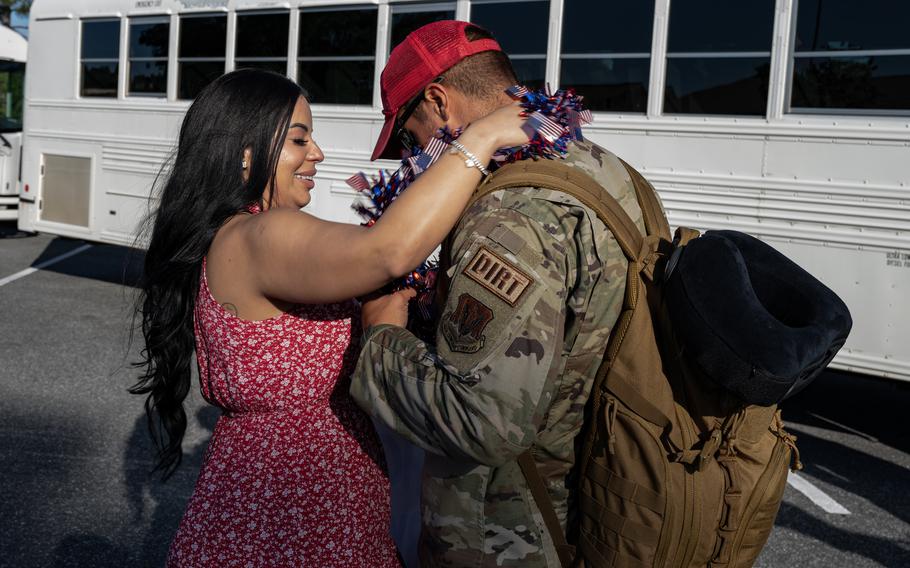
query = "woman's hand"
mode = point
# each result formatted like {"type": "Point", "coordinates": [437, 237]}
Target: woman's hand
{"type": "Point", "coordinates": [389, 309]}
{"type": "Point", "coordinates": [501, 128]}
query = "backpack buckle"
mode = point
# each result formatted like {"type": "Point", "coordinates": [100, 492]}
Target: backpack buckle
{"type": "Point", "coordinates": [709, 449]}
{"type": "Point", "coordinates": [699, 459]}
{"type": "Point", "coordinates": [650, 255]}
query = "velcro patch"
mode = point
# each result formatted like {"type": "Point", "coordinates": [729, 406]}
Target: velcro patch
{"type": "Point", "coordinates": [497, 275]}
{"type": "Point", "coordinates": [463, 327]}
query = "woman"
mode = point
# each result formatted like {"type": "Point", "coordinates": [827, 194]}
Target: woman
{"type": "Point", "coordinates": [294, 473]}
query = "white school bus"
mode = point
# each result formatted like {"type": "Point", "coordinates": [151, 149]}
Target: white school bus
{"type": "Point", "coordinates": [13, 52]}
{"type": "Point", "coordinates": [786, 119]}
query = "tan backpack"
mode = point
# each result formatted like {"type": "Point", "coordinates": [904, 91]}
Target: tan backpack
{"type": "Point", "coordinates": [674, 471]}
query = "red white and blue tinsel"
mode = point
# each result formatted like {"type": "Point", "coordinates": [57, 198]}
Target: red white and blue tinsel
{"type": "Point", "coordinates": [554, 120]}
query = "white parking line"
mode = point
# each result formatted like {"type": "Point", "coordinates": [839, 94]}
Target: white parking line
{"type": "Point", "coordinates": [816, 495]}
{"type": "Point", "coordinates": [45, 264]}
{"type": "Point", "coordinates": [844, 427]}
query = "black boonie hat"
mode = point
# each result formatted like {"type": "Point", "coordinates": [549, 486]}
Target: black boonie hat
{"type": "Point", "coordinates": [754, 321]}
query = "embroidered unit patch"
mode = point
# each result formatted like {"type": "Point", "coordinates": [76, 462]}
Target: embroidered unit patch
{"type": "Point", "coordinates": [463, 327]}
{"type": "Point", "coordinates": [497, 275]}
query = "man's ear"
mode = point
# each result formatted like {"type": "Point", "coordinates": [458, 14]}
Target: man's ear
{"type": "Point", "coordinates": [440, 100]}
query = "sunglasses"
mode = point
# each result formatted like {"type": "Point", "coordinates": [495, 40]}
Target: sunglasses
{"type": "Point", "coordinates": [404, 135]}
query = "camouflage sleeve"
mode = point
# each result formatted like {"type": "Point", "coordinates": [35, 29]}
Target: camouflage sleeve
{"type": "Point", "coordinates": [483, 392]}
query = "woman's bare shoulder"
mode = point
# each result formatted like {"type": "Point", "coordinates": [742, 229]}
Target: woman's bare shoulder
{"type": "Point", "coordinates": [240, 234]}
{"type": "Point", "coordinates": [233, 267]}
{"type": "Point", "coordinates": [248, 245]}
{"type": "Point", "coordinates": [229, 239]}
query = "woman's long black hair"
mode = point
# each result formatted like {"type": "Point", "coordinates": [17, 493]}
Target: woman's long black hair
{"type": "Point", "coordinates": [203, 189]}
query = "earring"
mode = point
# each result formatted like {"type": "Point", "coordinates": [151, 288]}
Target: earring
{"type": "Point", "coordinates": [243, 164]}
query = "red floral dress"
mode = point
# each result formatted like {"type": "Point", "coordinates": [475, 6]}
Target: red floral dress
{"type": "Point", "coordinates": [294, 473]}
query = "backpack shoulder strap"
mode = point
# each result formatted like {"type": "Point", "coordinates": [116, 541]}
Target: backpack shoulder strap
{"type": "Point", "coordinates": [538, 488]}
{"type": "Point", "coordinates": [653, 214]}
{"type": "Point", "coordinates": [555, 175]}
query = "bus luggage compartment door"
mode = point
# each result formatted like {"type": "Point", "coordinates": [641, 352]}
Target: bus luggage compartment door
{"type": "Point", "coordinates": [65, 189]}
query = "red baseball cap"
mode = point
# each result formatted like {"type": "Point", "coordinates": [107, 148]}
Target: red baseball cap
{"type": "Point", "coordinates": [426, 53]}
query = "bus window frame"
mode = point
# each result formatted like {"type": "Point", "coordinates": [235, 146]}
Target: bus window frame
{"type": "Point", "coordinates": [417, 7]}
{"type": "Point", "coordinates": [200, 14]}
{"type": "Point", "coordinates": [648, 56]}
{"type": "Point", "coordinates": [788, 83]}
{"type": "Point", "coordinates": [20, 71]}
{"type": "Point", "coordinates": [553, 49]}
{"type": "Point", "coordinates": [299, 58]}
{"type": "Point", "coordinates": [783, 54]}
{"type": "Point", "coordinates": [667, 55]}
{"type": "Point", "coordinates": [168, 59]}
{"type": "Point", "coordinates": [80, 33]}
{"type": "Point", "coordinates": [291, 51]}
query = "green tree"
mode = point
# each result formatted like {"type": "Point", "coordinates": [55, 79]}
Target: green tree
{"type": "Point", "coordinates": [7, 7]}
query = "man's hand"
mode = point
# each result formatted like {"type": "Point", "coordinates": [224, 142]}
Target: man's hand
{"type": "Point", "coordinates": [387, 309]}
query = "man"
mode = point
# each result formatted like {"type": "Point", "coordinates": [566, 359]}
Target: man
{"type": "Point", "coordinates": [513, 365]}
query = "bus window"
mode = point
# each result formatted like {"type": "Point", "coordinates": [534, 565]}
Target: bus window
{"type": "Point", "coordinates": [149, 38]}
{"type": "Point", "coordinates": [100, 58]}
{"type": "Point", "coordinates": [719, 57]}
{"type": "Point", "coordinates": [201, 56]}
{"type": "Point", "coordinates": [262, 41]}
{"type": "Point", "coordinates": [606, 53]}
{"type": "Point", "coordinates": [337, 53]}
{"type": "Point", "coordinates": [849, 58]}
{"type": "Point", "coordinates": [521, 29]}
{"type": "Point", "coordinates": [12, 79]}
{"type": "Point", "coordinates": [408, 17]}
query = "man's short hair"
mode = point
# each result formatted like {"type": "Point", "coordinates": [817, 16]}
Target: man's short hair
{"type": "Point", "coordinates": [484, 75]}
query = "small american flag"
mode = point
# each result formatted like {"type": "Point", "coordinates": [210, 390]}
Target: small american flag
{"type": "Point", "coordinates": [415, 165]}
{"type": "Point", "coordinates": [547, 128]}
{"type": "Point", "coordinates": [435, 148]}
{"type": "Point", "coordinates": [359, 182]}
{"type": "Point", "coordinates": [517, 91]}
{"type": "Point", "coordinates": [423, 162]}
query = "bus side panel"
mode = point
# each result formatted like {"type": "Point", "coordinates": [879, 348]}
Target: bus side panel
{"type": "Point", "coordinates": [681, 153]}
{"type": "Point", "coordinates": [50, 75]}
{"type": "Point", "coordinates": [875, 285]}
{"type": "Point", "coordinates": [52, 66]}
{"type": "Point", "coordinates": [856, 161]}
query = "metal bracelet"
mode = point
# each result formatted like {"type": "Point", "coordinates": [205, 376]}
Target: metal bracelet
{"type": "Point", "coordinates": [471, 161]}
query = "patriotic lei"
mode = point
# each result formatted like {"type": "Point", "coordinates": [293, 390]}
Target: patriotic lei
{"type": "Point", "coordinates": [553, 121]}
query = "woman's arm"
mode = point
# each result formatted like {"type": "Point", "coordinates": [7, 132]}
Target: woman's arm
{"type": "Point", "coordinates": [299, 258]}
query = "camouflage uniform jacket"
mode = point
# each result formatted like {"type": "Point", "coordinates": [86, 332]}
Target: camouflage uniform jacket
{"type": "Point", "coordinates": [536, 284]}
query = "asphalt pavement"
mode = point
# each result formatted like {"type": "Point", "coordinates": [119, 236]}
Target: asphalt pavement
{"type": "Point", "coordinates": [75, 456]}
